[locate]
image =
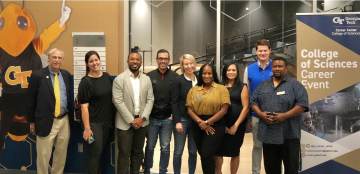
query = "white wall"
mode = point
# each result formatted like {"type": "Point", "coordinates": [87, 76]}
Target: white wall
{"type": "Point", "coordinates": [140, 25]}
{"type": "Point", "coordinates": [162, 28]}
{"type": "Point", "coordinates": [151, 28]}
{"type": "Point", "coordinates": [335, 5]}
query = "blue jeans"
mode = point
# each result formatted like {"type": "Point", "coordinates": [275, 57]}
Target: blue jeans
{"type": "Point", "coordinates": [163, 129]}
{"type": "Point", "coordinates": [179, 147]}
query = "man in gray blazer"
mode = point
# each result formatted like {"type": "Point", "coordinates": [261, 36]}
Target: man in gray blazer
{"type": "Point", "coordinates": [133, 98]}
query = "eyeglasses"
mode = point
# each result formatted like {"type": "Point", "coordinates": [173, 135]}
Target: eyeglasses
{"type": "Point", "coordinates": [163, 59]}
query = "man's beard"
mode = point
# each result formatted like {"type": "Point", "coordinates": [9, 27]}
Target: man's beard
{"type": "Point", "coordinates": [278, 77]}
{"type": "Point", "coordinates": [134, 69]}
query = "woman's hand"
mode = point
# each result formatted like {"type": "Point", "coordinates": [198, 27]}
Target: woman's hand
{"type": "Point", "coordinates": [179, 128]}
{"type": "Point", "coordinates": [203, 124]}
{"type": "Point", "coordinates": [87, 133]}
{"type": "Point", "coordinates": [210, 130]}
{"type": "Point", "coordinates": [232, 130]}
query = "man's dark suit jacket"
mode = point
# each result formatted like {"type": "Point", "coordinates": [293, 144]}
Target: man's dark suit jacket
{"type": "Point", "coordinates": [42, 106]}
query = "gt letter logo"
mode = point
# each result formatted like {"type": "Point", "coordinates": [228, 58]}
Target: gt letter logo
{"type": "Point", "coordinates": [338, 20]}
{"type": "Point", "coordinates": [14, 76]}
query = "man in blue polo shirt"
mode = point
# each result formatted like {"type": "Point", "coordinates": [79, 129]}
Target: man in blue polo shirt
{"type": "Point", "coordinates": [254, 75]}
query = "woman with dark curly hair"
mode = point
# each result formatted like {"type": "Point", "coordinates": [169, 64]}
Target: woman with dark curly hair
{"type": "Point", "coordinates": [207, 103]}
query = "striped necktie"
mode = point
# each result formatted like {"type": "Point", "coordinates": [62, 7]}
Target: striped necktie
{"type": "Point", "coordinates": [56, 86]}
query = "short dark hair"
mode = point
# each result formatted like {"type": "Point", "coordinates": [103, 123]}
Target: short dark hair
{"type": "Point", "coordinates": [201, 71]}
{"type": "Point", "coordinates": [162, 51]}
{"type": "Point", "coordinates": [225, 79]}
{"type": "Point", "coordinates": [87, 57]}
{"type": "Point", "coordinates": [281, 59]}
{"type": "Point", "coordinates": [263, 42]}
{"type": "Point", "coordinates": [134, 51]}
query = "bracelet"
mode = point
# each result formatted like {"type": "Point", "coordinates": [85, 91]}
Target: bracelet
{"type": "Point", "coordinates": [87, 129]}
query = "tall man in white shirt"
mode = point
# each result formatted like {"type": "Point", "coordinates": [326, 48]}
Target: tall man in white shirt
{"type": "Point", "coordinates": [133, 98]}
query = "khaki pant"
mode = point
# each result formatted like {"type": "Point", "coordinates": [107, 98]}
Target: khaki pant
{"type": "Point", "coordinates": [59, 138]}
{"type": "Point", "coordinates": [257, 147]}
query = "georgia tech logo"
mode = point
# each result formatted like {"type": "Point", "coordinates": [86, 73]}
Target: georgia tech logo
{"type": "Point", "coordinates": [19, 78]}
{"type": "Point", "coordinates": [338, 20]}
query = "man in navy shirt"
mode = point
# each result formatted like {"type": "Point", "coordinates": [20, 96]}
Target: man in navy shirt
{"type": "Point", "coordinates": [254, 75]}
{"type": "Point", "coordinates": [161, 125]}
{"type": "Point", "coordinates": [278, 103]}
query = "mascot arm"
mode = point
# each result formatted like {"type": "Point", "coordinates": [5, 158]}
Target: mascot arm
{"type": "Point", "coordinates": [48, 36]}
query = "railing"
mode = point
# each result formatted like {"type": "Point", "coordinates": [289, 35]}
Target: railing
{"type": "Point", "coordinates": [253, 57]}
{"type": "Point", "coordinates": [242, 60]}
{"type": "Point", "coordinates": [248, 40]}
{"type": "Point", "coordinates": [274, 34]}
{"type": "Point", "coordinates": [206, 58]}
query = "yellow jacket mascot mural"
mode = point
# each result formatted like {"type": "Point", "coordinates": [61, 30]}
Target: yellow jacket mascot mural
{"type": "Point", "coordinates": [20, 54]}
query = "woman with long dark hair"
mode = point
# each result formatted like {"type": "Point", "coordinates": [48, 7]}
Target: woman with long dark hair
{"type": "Point", "coordinates": [235, 119]}
{"type": "Point", "coordinates": [97, 111]}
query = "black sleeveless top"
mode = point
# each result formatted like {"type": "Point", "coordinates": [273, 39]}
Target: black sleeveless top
{"type": "Point", "coordinates": [236, 106]}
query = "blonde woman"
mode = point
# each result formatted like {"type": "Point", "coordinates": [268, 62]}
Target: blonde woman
{"type": "Point", "coordinates": [181, 118]}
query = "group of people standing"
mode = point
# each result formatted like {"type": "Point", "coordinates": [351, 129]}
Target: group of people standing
{"type": "Point", "coordinates": [212, 116]}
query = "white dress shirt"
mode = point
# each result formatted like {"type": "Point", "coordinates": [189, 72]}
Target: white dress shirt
{"type": "Point", "coordinates": [135, 82]}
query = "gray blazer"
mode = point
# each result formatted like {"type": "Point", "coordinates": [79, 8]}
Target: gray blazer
{"type": "Point", "coordinates": [123, 99]}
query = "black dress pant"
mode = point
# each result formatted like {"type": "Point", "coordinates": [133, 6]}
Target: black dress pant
{"type": "Point", "coordinates": [130, 144]}
{"type": "Point", "coordinates": [207, 146]}
{"type": "Point", "coordinates": [103, 135]}
{"type": "Point", "coordinates": [288, 153]}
